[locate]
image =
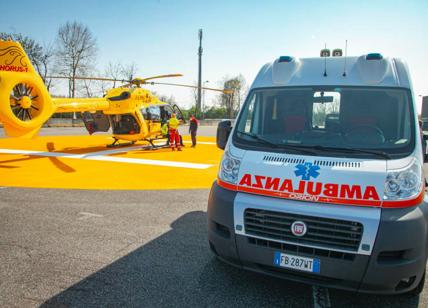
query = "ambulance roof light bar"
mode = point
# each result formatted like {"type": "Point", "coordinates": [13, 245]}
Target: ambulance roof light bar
{"type": "Point", "coordinates": [374, 56]}
{"type": "Point", "coordinates": [286, 59]}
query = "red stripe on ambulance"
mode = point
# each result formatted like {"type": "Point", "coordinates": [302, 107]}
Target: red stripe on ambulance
{"type": "Point", "coordinates": [309, 188]}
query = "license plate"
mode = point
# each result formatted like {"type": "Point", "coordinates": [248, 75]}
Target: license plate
{"type": "Point", "coordinates": [297, 263]}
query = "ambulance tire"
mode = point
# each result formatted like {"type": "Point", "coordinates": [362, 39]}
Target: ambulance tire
{"type": "Point", "coordinates": [419, 288]}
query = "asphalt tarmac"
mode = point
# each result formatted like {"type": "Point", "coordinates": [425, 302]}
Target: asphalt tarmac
{"type": "Point", "coordinates": [139, 248]}
{"type": "Point", "coordinates": [83, 248]}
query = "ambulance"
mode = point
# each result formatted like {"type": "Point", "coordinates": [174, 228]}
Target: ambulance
{"type": "Point", "coordinates": [322, 179]}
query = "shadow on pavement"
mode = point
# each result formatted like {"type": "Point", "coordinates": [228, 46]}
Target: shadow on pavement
{"type": "Point", "coordinates": [177, 269]}
{"type": "Point", "coordinates": [350, 300]}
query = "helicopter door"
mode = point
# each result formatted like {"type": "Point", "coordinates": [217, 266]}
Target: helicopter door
{"type": "Point", "coordinates": [95, 122]}
{"type": "Point", "coordinates": [178, 113]}
{"type": "Point", "coordinates": [154, 113]}
{"type": "Point", "coordinates": [166, 111]}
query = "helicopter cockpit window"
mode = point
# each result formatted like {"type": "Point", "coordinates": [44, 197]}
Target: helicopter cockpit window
{"type": "Point", "coordinates": [146, 114]}
{"type": "Point", "coordinates": [125, 124]}
{"type": "Point", "coordinates": [155, 114]}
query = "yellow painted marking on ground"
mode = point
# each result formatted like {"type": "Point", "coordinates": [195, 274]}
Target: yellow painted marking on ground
{"type": "Point", "coordinates": [61, 172]}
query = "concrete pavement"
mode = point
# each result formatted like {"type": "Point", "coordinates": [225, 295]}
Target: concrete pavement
{"type": "Point", "coordinates": [84, 248]}
{"type": "Point", "coordinates": [103, 248]}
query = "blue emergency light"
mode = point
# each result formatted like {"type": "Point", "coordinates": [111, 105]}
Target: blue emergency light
{"type": "Point", "coordinates": [285, 59]}
{"type": "Point", "coordinates": [374, 56]}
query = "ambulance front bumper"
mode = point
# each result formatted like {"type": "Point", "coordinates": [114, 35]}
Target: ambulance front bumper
{"type": "Point", "coordinates": [394, 263]}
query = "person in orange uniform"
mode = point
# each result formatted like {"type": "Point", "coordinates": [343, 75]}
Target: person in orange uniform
{"type": "Point", "coordinates": [174, 135]}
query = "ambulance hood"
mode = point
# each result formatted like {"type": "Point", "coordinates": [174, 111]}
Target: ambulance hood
{"type": "Point", "coordinates": [311, 178]}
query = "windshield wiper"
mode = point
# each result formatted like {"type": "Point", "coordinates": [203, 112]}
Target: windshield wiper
{"type": "Point", "coordinates": [350, 150]}
{"type": "Point", "coordinates": [299, 148]}
{"type": "Point", "coordinates": [307, 149]}
{"type": "Point", "coordinates": [258, 138]}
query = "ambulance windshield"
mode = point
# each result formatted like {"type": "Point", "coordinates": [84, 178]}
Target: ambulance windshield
{"type": "Point", "coordinates": [334, 120]}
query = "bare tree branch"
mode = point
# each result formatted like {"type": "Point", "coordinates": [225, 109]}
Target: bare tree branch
{"type": "Point", "coordinates": [76, 50]}
{"type": "Point", "coordinates": [39, 56]}
{"type": "Point", "coordinates": [232, 103]}
{"type": "Point", "coordinates": [129, 70]}
{"type": "Point", "coordinates": [114, 71]}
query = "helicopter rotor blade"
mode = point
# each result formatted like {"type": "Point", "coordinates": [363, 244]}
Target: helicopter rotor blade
{"type": "Point", "coordinates": [162, 76]}
{"type": "Point", "coordinates": [141, 81]}
{"type": "Point", "coordinates": [225, 91]}
{"type": "Point", "coordinates": [89, 78]}
{"type": "Point", "coordinates": [133, 81]}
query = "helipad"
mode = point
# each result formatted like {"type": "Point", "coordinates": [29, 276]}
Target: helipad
{"type": "Point", "coordinates": [84, 162]}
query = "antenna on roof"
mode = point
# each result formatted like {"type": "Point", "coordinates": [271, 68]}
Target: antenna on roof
{"type": "Point", "coordinates": [346, 53]}
{"type": "Point", "coordinates": [325, 61]}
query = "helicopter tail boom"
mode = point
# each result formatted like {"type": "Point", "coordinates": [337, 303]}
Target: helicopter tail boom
{"type": "Point", "coordinates": [80, 104]}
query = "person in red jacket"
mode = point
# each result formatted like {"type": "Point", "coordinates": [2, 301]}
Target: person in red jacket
{"type": "Point", "coordinates": [193, 128]}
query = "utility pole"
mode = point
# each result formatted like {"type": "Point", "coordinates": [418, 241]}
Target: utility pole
{"type": "Point", "coordinates": [203, 106]}
{"type": "Point", "coordinates": [198, 105]}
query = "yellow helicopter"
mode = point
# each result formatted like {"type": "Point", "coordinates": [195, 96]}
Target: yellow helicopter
{"type": "Point", "coordinates": [132, 112]}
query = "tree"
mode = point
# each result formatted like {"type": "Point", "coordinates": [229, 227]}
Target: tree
{"type": "Point", "coordinates": [195, 97]}
{"type": "Point", "coordinates": [216, 113]}
{"type": "Point", "coordinates": [128, 71]}
{"type": "Point", "coordinates": [167, 99]}
{"type": "Point", "coordinates": [76, 50]}
{"type": "Point", "coordinates": [114, 71]}
{"type": "Point", "coordinates": [232, 102]}
{"type": "Point", "coordinates": [44, 65]}
{"type": "Point", "coordinates": [39, 56]}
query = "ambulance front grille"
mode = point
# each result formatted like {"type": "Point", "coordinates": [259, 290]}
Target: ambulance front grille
{"type": "Point", "coordinates": [321, 232]}
{"type": "Point", "coordinates": [282, 159]}
{"type": "Point", "coordinates": [344, 164]}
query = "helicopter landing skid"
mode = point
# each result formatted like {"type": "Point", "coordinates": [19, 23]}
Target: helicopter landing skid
{"type": "Point", "coordinates": [116, 145]}
{"type": "Point", "coordinates": [156, 146]}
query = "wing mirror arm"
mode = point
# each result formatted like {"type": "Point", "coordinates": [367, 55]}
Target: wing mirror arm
{"type": "Point", "coordinates": [223, 131]}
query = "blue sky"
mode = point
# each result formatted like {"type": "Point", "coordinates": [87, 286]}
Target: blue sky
{"type": "Point", "coordinates": [239, 36]}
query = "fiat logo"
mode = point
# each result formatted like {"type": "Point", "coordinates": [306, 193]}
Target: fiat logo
{"type": "Point", "coordinates": [298, 228]}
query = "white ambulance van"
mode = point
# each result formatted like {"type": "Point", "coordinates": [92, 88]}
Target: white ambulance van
{"type": "Point", "coordinates": [322, 177]}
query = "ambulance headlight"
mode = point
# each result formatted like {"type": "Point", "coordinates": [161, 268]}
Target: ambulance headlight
{"type": "Point", "coordinates": [404, 183]}
{"type": "Point", "coordinates": [229, 168]}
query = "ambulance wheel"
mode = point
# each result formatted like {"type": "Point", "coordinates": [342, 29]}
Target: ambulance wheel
{"type": "Point", "coordinates": [419, 288]}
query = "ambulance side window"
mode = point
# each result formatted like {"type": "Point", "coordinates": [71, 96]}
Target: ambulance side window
{"type": "Point", "coordinates": [251, 124]}
{"type": "Point", "coordinates": [249, 121]}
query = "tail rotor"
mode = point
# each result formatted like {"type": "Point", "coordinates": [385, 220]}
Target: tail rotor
{"type": "Point", "coordinates": [25, 103]}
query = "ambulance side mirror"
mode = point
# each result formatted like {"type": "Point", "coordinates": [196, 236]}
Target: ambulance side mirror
{"type": "Point", "coordinates": [223, 132]}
